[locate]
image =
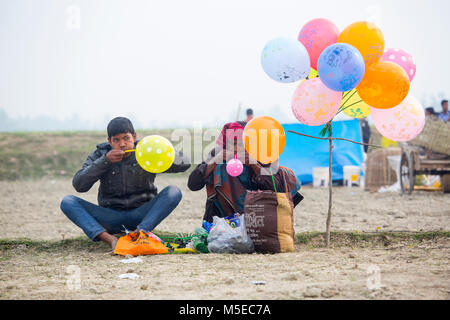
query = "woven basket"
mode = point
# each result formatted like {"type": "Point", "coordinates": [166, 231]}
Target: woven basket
{"type": "Point", "coordinates": [378, 171]}
{"type": "Point", "coordinates": [435, 136]}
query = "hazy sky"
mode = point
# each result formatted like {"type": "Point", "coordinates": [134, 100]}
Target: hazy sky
{"type": "Point", "coordinates": [185, 61]}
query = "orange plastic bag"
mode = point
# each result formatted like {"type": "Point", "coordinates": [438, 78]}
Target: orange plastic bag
{"type": "Point", "coordinates": [141, 243]}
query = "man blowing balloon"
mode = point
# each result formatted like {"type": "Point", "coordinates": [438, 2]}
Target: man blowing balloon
{"type": "Point", "coordinates": [127, 196]}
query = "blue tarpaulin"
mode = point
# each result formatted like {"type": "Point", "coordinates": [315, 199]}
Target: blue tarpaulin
{"type": "Point", "coordinates": [302, 154]}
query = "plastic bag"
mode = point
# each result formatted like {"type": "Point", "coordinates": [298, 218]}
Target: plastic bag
{"type": "Point", "coordinates": [141, 243]}
{"type": "Point", "coordinates": [223, 238]}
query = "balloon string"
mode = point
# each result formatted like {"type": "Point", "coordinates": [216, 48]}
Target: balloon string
{"type": "Point", "coordinates": [354, 92]}
{"type": "Point", "coordinates": [349, 106]}
{"type": "Point", "coordinates": [273, 180]}
{"type": "Point", "coordinates": [345, 94]}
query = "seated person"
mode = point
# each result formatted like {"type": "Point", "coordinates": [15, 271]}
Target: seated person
{"type": "Point", "coordinates": [127, 196]}
{"type": "Point", "coordinates": [226, 194]}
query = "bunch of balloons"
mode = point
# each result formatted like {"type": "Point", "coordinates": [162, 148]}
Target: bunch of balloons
{"type": "Point", "coordinates": [350, 72]}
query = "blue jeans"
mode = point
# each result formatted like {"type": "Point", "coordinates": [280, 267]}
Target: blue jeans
{"type": "Point", "coordinates": [94, 220]}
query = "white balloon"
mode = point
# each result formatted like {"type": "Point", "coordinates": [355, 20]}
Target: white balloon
{"type": "Point", "coordinates": [285, 60]}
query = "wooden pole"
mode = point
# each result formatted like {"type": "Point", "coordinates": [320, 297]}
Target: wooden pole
{"type": "Point", "coordinates": [330, 192]}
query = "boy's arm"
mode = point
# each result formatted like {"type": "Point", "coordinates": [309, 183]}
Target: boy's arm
{"type": "Point", "coordinates": [93, 168]}
{"type": "Point", "coordinates": [180, 164]}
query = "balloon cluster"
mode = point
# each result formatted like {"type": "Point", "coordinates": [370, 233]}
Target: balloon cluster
{"type": "Point", "coordinates": [350, 72]}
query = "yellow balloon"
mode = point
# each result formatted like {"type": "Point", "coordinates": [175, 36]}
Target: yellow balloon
{"type": "Point", "coordinates": [386, 143]}
{"type": "Point", "coordinates": [312, 74]}
{"type": "Point", "coordinates": [354, 106]}
{"type": "Point", "coordinates": [155, 154]}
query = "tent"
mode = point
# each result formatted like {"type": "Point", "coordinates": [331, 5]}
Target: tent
{"type": "Point", "coordinates": [302, 154]}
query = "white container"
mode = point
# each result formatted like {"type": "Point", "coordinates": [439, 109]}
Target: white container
{"type": "Point", "coordinates": [352, 176]}
{"type": "Point", "coordinates": [320, 177]}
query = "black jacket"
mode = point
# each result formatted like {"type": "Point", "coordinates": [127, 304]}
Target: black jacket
{"type": "Point", "coordinates": [123, 185]}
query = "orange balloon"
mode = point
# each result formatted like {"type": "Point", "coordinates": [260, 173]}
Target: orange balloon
{"type": "Point", "coordinates": [384, 86]}
{"type": "Point", "coordinates": [264, 139]}
{"type": "Point", "coordinates": [367, 38]}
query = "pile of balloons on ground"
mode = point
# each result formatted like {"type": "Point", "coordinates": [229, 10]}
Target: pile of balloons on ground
{"type": "Point", "coordinates": [350, 72]}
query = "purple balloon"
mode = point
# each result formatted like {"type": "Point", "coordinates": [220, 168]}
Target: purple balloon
{"type": "Point", "coordinates": [341, 67]}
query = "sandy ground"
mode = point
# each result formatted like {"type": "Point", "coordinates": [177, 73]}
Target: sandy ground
{"type": "Point", "coordinates": [406, 271]}
{"type": "Point", "coordinates": [31, 209]}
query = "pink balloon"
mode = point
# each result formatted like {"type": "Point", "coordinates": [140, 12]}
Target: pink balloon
{"type": "Point", "coordinates": [401, 123]}
{"type": "Point", "coordinates": [316, 36]}
{"type": "Point", "coordinates": [235, 167]}
{"type": "Point", "coordinates": [403, 59]}
{"type": "Point", "coordinates": [314, 104]}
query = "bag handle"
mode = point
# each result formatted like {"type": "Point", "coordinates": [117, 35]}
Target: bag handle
{"type": "Point", "coordinates": [284, 180]}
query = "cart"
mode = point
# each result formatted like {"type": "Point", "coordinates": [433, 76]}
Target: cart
{"type": "Point", "coordinates": [412, 163]}
{"type": "Point", "coordinates": [428, 154]}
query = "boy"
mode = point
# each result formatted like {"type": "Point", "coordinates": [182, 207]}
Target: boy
{"type": "Point", "coordinates": [126, 196]}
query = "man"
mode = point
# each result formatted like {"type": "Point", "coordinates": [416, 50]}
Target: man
{"type": "Point", "coordinates": [127, 196]}
{"type": "Point", "coordinates": [249, 113]}
{"type": "Point", "coordinates": [445, 114]}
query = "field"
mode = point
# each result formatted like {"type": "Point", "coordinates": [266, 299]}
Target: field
{"type": "Point", "coordinates": [384, 246]}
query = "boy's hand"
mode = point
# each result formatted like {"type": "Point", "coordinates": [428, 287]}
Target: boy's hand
{"type": "Point", "coordinates": [115, 155]}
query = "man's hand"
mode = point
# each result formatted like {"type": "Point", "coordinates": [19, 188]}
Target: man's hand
{"type": "Point", "coordinates": [115, 155]}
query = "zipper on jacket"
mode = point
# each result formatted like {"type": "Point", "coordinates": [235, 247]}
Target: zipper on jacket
{"type": "Point", "coordinates": [124, 190]}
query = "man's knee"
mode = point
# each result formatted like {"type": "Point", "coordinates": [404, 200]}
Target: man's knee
{"type": "Point", "coordinates": [174, 193]}
{"type": "Point", "coordinates": [67, 202]}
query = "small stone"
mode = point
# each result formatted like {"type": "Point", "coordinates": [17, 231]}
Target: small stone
{"type": "Point", "coordinates": [400, 215]}
{"type": "Point", "coordinates": [144, 287]}
{"type": "Point", "coordinates": [329, 292]}
{"type": "Point", "coordinates": [351, 256]}
{"type": "Point", "coordinates": [130, 271]}
{"type": "Point", "coordinates": [94, 291]}
{"type": "Point", "coordinates": [312, 292]}
{"type": "Point", "coordinates": [291, 277]}
{"type": "Point", "coordinates": [229, 281]}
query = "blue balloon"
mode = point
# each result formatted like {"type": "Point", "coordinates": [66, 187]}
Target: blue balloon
{"type": "Point", "coordinates": [285, 60]}
{"type": "Point", "coordinates": [341, 67]}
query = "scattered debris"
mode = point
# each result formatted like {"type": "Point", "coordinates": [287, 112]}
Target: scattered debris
{"type": "Point", "coordinates": [132, 260]}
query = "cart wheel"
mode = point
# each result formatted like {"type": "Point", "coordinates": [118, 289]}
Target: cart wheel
{"type": "Point", "coordinates": [407, 176]}
{"type": "Point", "coordinates": [445, 182]}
